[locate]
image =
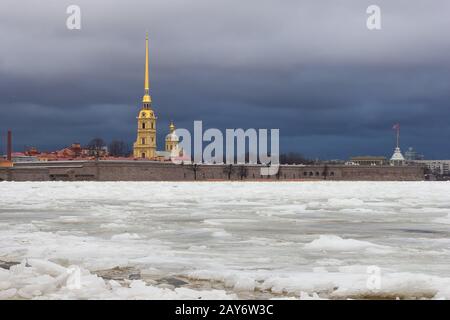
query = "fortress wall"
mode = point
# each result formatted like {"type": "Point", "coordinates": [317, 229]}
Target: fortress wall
{"type": "Point", "coordinates": [157, 171]}
{"type": "Point", "coordinates": [23, 174]}
{"type": "Point", "coordinates": [3, 174]}
{"type": "Point", "coordinates": [385, 173]}
{"type": "Point", "coordinates": [143, 171]}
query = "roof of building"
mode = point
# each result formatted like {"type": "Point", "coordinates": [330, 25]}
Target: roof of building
{"type": "Point", "coordinates": [172, 137]}
{"type": "Point", "coordinates": [368, 158]}
{"type": "Point", "coordinates": [163, 153]}
{"type": "Point", "coordinates": [397, 156]}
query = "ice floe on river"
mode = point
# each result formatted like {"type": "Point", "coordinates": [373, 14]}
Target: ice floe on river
{"type": "Point", "coordinates": [224, 240]}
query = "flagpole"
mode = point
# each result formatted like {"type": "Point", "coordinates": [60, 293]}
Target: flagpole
{"type": "Point", "coordinates": [398, 134]}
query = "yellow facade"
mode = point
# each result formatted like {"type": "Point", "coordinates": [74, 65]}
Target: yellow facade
{"type": "Point", "coordinates": [145, 145]}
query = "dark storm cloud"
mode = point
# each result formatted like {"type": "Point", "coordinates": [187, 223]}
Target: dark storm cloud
{"type": "Point", "coordinates": [310, 68]}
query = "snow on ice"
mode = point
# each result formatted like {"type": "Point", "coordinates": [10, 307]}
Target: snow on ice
{"type": "Point", "coordinates": [224, 240]}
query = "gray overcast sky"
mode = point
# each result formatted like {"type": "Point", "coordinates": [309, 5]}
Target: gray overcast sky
{"type": "Point", "coordinates": [310, 68]}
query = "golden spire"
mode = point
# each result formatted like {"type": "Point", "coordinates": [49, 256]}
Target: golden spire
{"type": "Point", "coordinates": [146, 98]}
{"type": "Point", "coordinates": [171, 126]}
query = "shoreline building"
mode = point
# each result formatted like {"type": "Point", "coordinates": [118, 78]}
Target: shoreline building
{"type": "Point", "coordinates": [368, 160]}
{"type": "Point", "coordinates": [145, 145]}
{"type": "Point", "coordinates": [412, 155]}
{"type": "Point", "coordinates": [172, 148]}
{"type": "Point", "coordinates": [397, 158]}
{"type": "Point", "coordinates": [172, 140]}
{"type": "Point", "coordinates": [437, 167]}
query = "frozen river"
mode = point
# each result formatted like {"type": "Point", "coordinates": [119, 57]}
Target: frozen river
{"type": "Point", "coordinates": [158, 240]}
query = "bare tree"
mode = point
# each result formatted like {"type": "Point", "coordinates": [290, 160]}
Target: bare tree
{"type": "Point", "coordinates": [118, 148]}
{"type": "Point", "coordinates": [228, 170]}
{"type": "Point", "coordinates": [294, 158]}
{"type": "Point", "coordinates": [96, 146]}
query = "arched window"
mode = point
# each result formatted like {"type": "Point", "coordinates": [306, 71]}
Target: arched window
{"type": "Point", "coordinates": [143, 125]}
{"type": "Point", "coordinates": [142, 140]}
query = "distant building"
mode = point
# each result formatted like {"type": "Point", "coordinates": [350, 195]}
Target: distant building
{"type": "Point", "coordinates": [74, 152]}
{"type": "Point", "coordinates": [101, 152]}
{"type": "Point", "coordinates": [172, 140]}
{"type": "Point", "coordinates": [145, 145]}
{"type": "Point", "coordinates": [397, 158]}
{"type": "Point", "coordinates": [412, 155]}
{"type": "Point", "coordinates": [32, 151]}
{"type": "Point", "coordinates": [368, 161]}
{"type": "Point", "coordinates": [22, 157]}
{"type": "Point", "coordinates": [438, 167]}
{"type": "Point", "coordinates": [5, 163]}
{"type": "Point", "coordinates": [172, 149]}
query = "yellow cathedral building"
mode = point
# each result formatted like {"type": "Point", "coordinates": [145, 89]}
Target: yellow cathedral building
{"type": "Point", "coordinates": [145, 145]}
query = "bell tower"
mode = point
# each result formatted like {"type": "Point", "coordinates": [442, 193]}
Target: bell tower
{"type": "Point", "coordinates": [145, 145]}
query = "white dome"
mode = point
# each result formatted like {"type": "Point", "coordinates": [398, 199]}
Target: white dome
{"type": "Point", "coordinates": [397, 156]}
{"type": "Point", "coordinates": [172, 137]}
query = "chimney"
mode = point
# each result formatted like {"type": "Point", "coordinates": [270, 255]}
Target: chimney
{"type": "Point", "coordinates": [9, 146]}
